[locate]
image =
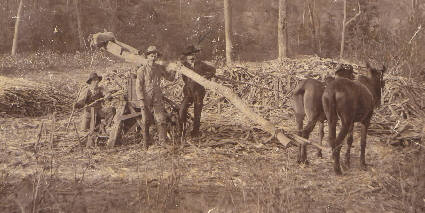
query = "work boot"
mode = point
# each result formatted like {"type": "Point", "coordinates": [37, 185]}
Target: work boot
{"type": "Point", "coordinates": [147, 140]}
{"type": "Point", "coordinates": [162, 133]}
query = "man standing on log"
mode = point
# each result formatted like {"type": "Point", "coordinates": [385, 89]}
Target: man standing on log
{"type": "Point", "coordinates": [93, 96]}
{"type": "Point", "coordinates": [192, 91]}
{"type": "Point", "coordinates": [149, 94]}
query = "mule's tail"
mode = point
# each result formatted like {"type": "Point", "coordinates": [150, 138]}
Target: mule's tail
{"type": "Point", "coordinates": [329, 107]}
{"type": "Point", "coordinates": [299, 98]}
{"type": "Point", "coordinates": [299, 106]}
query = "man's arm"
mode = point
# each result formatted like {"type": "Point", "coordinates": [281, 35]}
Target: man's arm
{"type": "Point", "coordinates": [169, 75]}
{"type": "Point", "coordinates": [140, 83]}
{"type": "Point", "coordinates": [82, 99]}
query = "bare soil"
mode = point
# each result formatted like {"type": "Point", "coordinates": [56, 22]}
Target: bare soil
{"type": "Point", "coordinates": [232, 167]}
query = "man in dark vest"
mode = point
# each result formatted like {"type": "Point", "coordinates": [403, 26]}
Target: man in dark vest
{"type": "Point", "coordinates": [192, 91]}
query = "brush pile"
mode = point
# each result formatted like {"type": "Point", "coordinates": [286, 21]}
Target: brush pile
{"type": "Point", "coordinates": [19, 97]}
{"type": "Point", "coordinates": [268, 86]}
{"type": "Point", "coordinates": [403, 111]}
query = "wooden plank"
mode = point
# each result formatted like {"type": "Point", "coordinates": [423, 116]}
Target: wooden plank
{"type": "Point", "coordinates": [129, 116]}
{"type": "Point", "coordinates": [132, 110]}
{"type": "Point", "coordinates": [116, 129]}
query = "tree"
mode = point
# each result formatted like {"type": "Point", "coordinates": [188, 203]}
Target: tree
{"type": "Point", "coordinates": [344, 25]}
{"type": "Point", "coordinates": [79, 27]}
{"type": "Point", "coordinates": [228, 30]}
{"type": "Point", "coordinates": [311, 4]}
{"type": "Point", "coordinates": [15, 37]}
{"type": "Point", "coordinates": [282, 29]}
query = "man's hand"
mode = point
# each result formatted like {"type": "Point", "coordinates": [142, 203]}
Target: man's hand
{"type": "Point", "coordinates": [76, 105]}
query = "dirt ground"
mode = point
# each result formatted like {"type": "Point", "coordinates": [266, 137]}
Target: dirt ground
{"type": "Point", "coordinates": [232, 167]}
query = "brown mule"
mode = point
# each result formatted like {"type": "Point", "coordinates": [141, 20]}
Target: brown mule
{"type": "Point", "coordinates": [351, 101]}
{"type": "Point", "coordinates": [308, 101]}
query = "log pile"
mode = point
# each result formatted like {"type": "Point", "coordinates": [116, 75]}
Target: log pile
{"type": "Point", "coordinates": [19, 97]}
{"type": "Point", "coordinates": [403, 111]}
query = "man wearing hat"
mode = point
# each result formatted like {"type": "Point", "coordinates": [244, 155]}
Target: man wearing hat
{"type": "Point", "coordinates": [149, 94]}
{"type": "Point", "coordinates": [192, 91]}
{"type": "Point", "coordinates": [91, 95]}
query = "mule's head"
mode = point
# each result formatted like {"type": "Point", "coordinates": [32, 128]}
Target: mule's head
{"type": "Point", "coordinates": [345, 71]}
{"type": "Point", "coordinates": [376, 77]}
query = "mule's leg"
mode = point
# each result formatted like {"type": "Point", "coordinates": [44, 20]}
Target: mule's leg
{"type": "Point", "coordinates": [299, 117]}
{"type": "Point", "coordinates": [321, 135]}
{"type": "Point", "coordinates": [302, 156]}
{"type": "Point", "coordinates": [309, 127]}
{"type": "Point", "coordinates": [197, 110]}
{"type": "Point", "coordinates": [349, 143]}
{"type": "Point", "coordinates": [364, 127]}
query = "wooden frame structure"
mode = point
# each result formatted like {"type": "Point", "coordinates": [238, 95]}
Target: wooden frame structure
{"type": "Point", "coordinates": [128, 114]}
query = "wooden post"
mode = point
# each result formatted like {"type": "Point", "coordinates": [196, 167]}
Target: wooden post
{"type": "Point", "coordinates": [92, 136]}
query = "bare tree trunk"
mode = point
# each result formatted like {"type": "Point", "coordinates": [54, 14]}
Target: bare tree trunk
{"type": "Point", "coordinates": [114, 7]}
{"type": "Point", "coordinates": [344, 24]}
{"type": "Point", "coordinates": [341, 49]}
{"type": "Point", "coordinates": [228, 30]}
{"type": "Point", "coordinates": [311, 8]}
{"type": "Point", "coordinates": [79, 26]}
{"type": "Point", "coordinates": [15, 37]}
{"type": "Point", "coordinates": [282, 30]}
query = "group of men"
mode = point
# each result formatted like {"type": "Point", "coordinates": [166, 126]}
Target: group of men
{"type": "Point", "coordinates": [149, 95]}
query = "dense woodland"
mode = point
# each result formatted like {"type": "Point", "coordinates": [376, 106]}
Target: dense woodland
{"type": "Point", "coordinates": [385, 30]}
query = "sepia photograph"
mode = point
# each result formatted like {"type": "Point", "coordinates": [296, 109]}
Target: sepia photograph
{"type": "Point", "coordinates": [212, 106]}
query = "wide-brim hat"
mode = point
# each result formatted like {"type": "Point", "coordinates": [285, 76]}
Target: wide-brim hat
{"type": "Point", "coordinates": [191, 50]}
{"type": "Point", "coordinates": [152, 49]}
{"type": "Point", "coordinates": [92, 76]}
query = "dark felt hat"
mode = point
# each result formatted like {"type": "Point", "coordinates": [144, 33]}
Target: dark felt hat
{"type": "Point", "coordinates": [152, 49]}
{"type": "Point", "coordinates": [190, 50]}
{"type": "Point", "coordinates": [92, 76]}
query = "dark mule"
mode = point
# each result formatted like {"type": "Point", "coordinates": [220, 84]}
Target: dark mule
{"type": "Point", "coordinates": [308, 101]}
{"type": "Point", "coordinates": [351, 101]}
